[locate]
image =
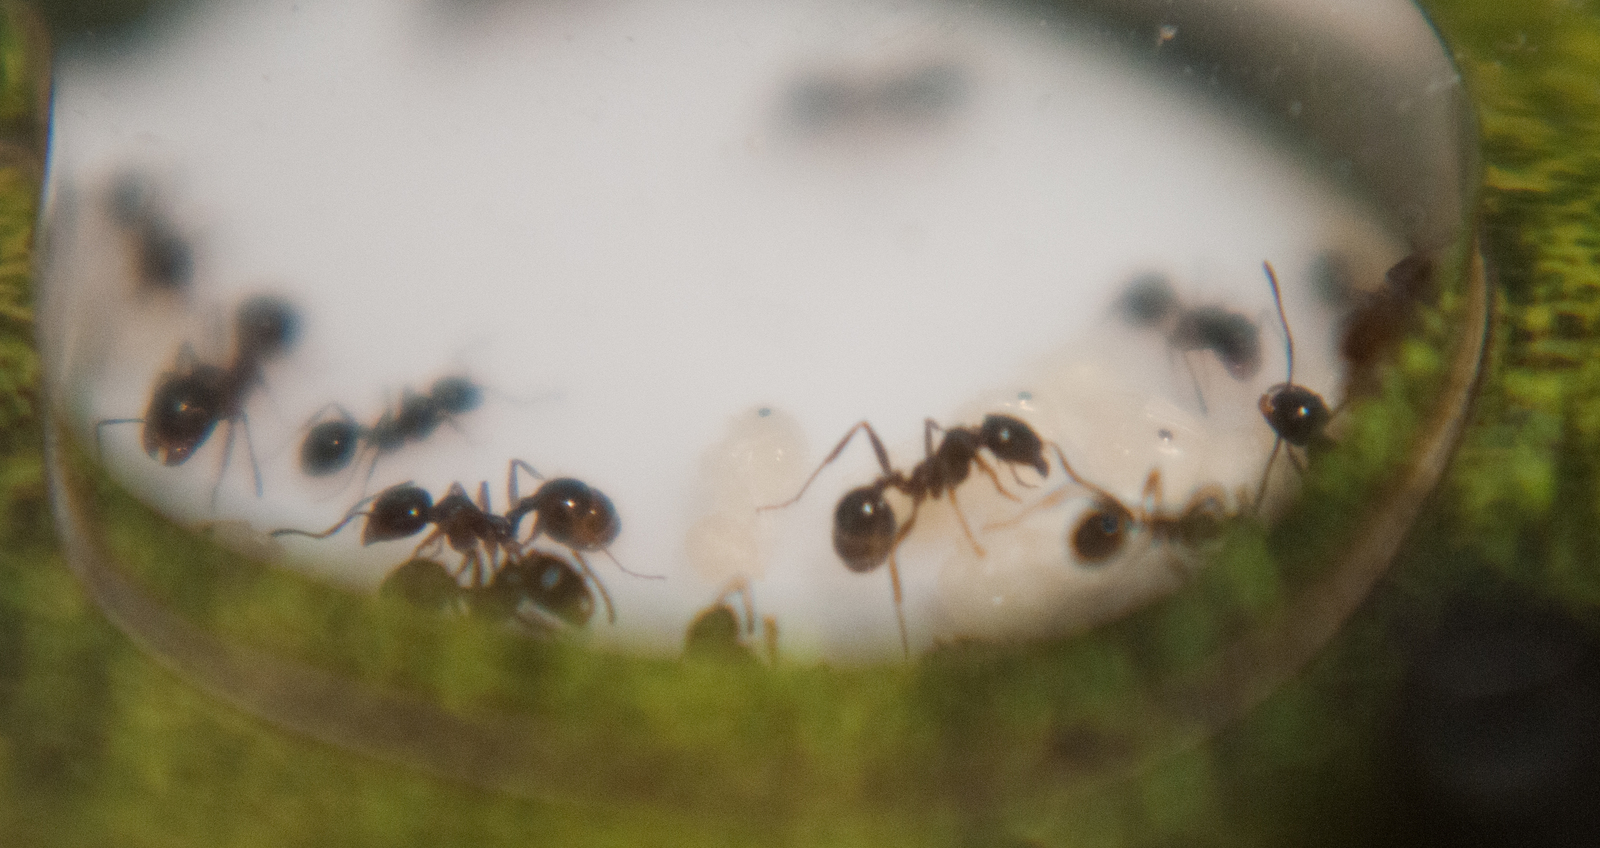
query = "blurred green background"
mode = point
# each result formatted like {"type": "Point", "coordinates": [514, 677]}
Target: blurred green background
{"type": "Point", "coordinates": [1454, 709]}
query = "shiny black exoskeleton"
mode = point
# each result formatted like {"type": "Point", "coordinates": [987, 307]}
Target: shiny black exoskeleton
{"type": "Point", "coordinates": [189, 402]}
{"type": "Point", "coordinates": [866, 531]}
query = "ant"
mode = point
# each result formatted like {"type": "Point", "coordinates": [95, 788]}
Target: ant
{"type": "Point", "coordinates": [332, 445]}
{"type": "Point", "coordinates": [571, 513]}
{"type": "Point", "coordinates": [1377, 325]}
{"type": "Point", "coordinates": [865, 530]}
{"type": "Point", "coordinates": [189, 402]}
{"type": "Point", "coordinates": [1150, 302]}
{"type": "Point", "coordinates": [1104, 531]}
{"type": "Point", "coordinates": [550, 583]}
{"type": "Point", "coordinates": [1295, 413]}
{"type": "Point", "coordinates": [164, 259]}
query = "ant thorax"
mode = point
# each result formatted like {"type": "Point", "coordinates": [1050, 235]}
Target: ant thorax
{"type": "Point", "coordinates": [793, 295]}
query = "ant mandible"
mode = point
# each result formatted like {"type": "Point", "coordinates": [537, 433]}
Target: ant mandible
{"type": "Point", "coordinates": [188, 403]}
{"type": "Point", "coordinates": [865, 530]}
{"type": "Point", "coordinates": [1234, 339]}
{"type": "Point", "coordinates": [332, 445]}
{"type": "Point", "coordinates": [1295, 413]}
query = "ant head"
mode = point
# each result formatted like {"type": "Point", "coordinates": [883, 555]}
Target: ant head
{"type": "Point", "coordinates": [397, 512]}
{"type": "Point", "coordinates": [329, 447]}
{"type": "Point", "coordinates": [1149, 300]}
{"type": "Point", "coordinates": [863, 529]}
{"type": "Point", "coordinates": [183, 410]}
{"type": "Point", "coordinates": [422, 583]}
{"type": "Point", "coordinates": [1296, 413]}
{"type": "Point", "coordinates": [1202, 520]}
{"type": "Point", "coordinates": [573, 513]}
{"type": "Point", "coordinates": [1234, 338]}
{"type": "Point", "coordinates": [1102, 532]}
{"type": "Point", "coordinates": [266, 326]}
{"type": "Point", "coordinates": [715, 633]}
{"type": "Point", "coordinates": [1013, 441]}
{"type": "Point", "coordinates": [455, 395]}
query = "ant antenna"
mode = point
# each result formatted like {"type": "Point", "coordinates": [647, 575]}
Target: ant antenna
{"type": "Point", "coordinates": [1277, 299]}
{"type": "Point", "coordinates": [354, 512]}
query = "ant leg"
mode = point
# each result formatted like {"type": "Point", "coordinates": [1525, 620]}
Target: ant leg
{"type": "Point", "coordinates": [99, 447]}
{"type": "Point", "coordinates": [1194, 378]}
{"type": "Point", "coordinates": [1151, 498]}
{"type": "Point", "coordinates": [928, 426]}
{"type": "Point", "coordinates": [227, 454]}
{"type": "Point", "coordinates": [611, 611]}
{"type": "Point", "coordinates": [250, 451]}
{"type": "Point", "coordinates": [624, 569]}
{"type": "Point", "coordinates": [964, 528]}
{"type": "Point", "coordinates": [354, 511]}
{"type": "Point", "coordinates": [511, 478]}
{"type": "Point", "coordinates": [1261, 491]}
{"type": "Point", "coordinates": [894, 576]}
{"type": "Point", "coordinates": [877, 447]}
{"type": "Point", "coordinates": [993, 477]}
{"type": "Point", "coordinates": [483, 495]}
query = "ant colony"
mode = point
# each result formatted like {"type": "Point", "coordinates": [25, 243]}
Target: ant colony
{"type": "Point", "coordinates": [828, 330]}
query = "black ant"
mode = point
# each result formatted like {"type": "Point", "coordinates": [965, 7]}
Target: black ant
{"type": "Point", "coordinates": [1150, 302]}
{"type": "Point", "coordinates": [571, 513]}
{"type": "Point", "coordinates": [188, 403]}
{"type": "Point", "coordinates": [1104, 531]}
{"type": "Point", "coordinates": [552, 585]}
{"type": "Point", "coordinates": [332, 445]}
{"type": "Point", "coordinates": [1296, 414]}
{"type": "Point", "coordinates": [865, 531]}
{"type": "Point", "coordinates": [163, 258]}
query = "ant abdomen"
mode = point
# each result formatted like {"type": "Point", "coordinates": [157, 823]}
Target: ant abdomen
{"type": "Point", "coordinates": [396, 513]}
{"type": "Point", "coordinates": [546, 581]}
{"type": "Point", "coordinates": [863, 529]}
{"type": "Point", "coordinates": [423, 583]}
{"type": "Point", "coordinates": [183, 411]}
{"type": "Point", "coordinates": [571, 512]}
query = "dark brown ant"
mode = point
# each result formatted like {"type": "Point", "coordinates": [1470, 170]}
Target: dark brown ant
{"type": "Point", "coordinates": [1104, 531]}
{"type": "Point", "coordinates": [865, 531]}
{"type": "Point", "coordinates": [1295, 413]}
{"type": "Point", "coordinates": [189, 402]}
{"type": "Point", "coordinates": [1376, 326]}
{"type": "Point", "coordinates": [1150, 302]}
{"type": "Point", "coordinates": [332, 445]}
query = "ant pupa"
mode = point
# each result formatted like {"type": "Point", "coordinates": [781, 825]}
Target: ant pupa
{"type": "Point", "coordinates": [865, 529]}
{"type": "Point", "coordinates": [1296, 414]}
{"type": "Point", "coordinates": [332, 445]}
{"type": "Point", "coordinates": [190, 401]}
{"type": "Point", "coordinates": [1106, 529]}
{"type": "Point", "coordinates": [1235, 340]}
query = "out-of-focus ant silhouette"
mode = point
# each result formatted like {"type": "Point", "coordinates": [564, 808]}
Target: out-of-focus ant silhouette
{"type": "Point", "coordinates": [865, 529]}
{"type": "Point", "coordinates": [1150, 302]}
{"type": "Point", "coordinates": [332, 445]}
{"type": "Point", "coordinates": [190, 401]}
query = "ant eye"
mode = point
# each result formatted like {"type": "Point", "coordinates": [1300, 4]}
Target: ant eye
{"type": "Point", "coordinates": [1100, 534]}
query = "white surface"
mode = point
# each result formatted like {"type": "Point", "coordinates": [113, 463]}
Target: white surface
{"type": "Point", "coordinates": [612, 217]}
